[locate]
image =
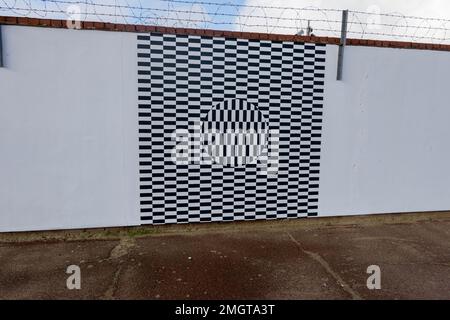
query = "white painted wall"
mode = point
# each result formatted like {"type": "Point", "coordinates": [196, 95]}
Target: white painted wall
{"type": "Point", "coordinates": [68, 129]}
{"type": "Point", "coordinates": [69, 142]}
{"type": "Point", "coordinates": [386, 132]}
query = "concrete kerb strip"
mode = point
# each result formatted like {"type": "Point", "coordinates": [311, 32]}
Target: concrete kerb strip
{"type": "Point", "coordinates": [238, 226]}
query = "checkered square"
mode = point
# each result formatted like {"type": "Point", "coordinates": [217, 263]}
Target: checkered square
{"type": "Point", "coordinates": [229, 129]}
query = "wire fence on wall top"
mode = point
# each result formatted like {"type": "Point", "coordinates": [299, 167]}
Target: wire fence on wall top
{"type": "Point", "coordinates": [369, 24]}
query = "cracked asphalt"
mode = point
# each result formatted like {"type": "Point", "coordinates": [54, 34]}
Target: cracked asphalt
{"type": "Point", "coordinates": [273, 260]}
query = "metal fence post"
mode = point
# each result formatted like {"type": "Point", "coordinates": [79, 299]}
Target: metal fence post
{"type": "Point", "coordinates": [1, 48]}
{"type": "Point", "coordinates": [342, 44]}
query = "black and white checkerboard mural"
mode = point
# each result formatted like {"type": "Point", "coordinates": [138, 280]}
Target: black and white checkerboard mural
{"type": "Point", "coordinates": [229, 129]}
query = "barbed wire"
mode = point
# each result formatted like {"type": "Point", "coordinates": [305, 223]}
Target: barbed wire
{"type": "Point", "coordinates": [237, 17]}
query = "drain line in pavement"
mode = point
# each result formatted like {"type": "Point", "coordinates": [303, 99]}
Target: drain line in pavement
{"type": "Point", "coordinates": [316, 257]}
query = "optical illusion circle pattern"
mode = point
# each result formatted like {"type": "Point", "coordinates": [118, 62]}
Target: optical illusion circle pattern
{"type": "Point", "coordinates": [235, 133]}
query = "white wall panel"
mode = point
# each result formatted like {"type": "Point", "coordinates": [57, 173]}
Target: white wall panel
{"type": "Point", "coordinates": [386, 137]}
{"type": "Point", "coordinates": [68, 129]}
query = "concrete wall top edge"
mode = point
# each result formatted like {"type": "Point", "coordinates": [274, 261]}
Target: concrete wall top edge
{"type": "Point", "coordinates": [106, 26]}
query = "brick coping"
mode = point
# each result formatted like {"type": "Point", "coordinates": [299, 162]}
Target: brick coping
{"type": "Point", "coordinates": [107, 26]}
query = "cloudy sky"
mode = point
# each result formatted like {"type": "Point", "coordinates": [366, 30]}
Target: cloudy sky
{"type": "Point", "coordinates": [260, 15]}
{"type": "Point", "coordinates": [401, 26]}
{"type": "Point", "coordinates": [435, 8]}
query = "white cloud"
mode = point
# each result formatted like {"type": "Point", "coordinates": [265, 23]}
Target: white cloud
{"type": "Point", "coordinates": [290, 21]}
{"type": "Point", "coordinates": [119, 11]}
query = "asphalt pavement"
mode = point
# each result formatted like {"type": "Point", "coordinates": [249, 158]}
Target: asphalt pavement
{"type": "Point", "coordinates": [323, 259]}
